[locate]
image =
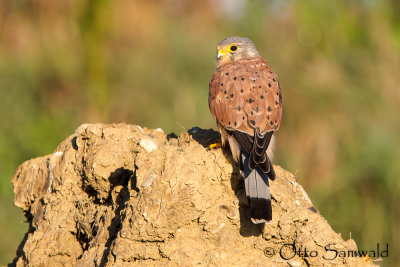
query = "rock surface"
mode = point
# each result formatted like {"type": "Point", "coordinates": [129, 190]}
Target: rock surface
{"type": "Point", "coordinates": [106, 197]}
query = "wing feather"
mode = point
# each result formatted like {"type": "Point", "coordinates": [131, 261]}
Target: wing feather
{"type": "Point", "coordinates": [245, 98]}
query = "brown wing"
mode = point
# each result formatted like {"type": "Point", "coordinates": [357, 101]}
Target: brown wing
{"type": "Point", "coordinates": [245, 96]}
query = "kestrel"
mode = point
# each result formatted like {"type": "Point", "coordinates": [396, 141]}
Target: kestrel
{"type": "Point", "coordinates": [245, 99]}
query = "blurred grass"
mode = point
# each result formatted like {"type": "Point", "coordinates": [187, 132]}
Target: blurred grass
{"type": "Point", "coordinates": [63, 63]}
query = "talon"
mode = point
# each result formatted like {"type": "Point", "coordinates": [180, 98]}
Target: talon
{"type": "Point", "coordinates": [217, 144]}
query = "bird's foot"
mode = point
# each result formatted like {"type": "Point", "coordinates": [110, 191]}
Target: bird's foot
{"type": "Point", "coordinates": [217, 144]}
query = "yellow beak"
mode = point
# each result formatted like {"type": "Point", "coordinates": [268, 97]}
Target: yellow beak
{"type": "Point", "coordinates": [221, 53]}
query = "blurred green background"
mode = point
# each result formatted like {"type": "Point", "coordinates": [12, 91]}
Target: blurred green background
{"type": "Point", "coordinates": [64, 63]}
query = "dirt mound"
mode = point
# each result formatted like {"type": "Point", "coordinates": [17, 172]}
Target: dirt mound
{"type": "Point", "coordinates": [122, 195]}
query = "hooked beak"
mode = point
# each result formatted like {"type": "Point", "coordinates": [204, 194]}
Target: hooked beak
{"type": "Point", "coordinates": [221, 53]}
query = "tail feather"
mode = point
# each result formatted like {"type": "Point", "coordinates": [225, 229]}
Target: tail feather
{"type": "Point", "coordinates": [258, 155]}
{"type": "Point", "coordinates": [257, 191]}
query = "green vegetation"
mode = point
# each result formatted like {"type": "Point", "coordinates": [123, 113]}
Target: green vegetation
{"type": "Point", "coordinates": [64, 63]}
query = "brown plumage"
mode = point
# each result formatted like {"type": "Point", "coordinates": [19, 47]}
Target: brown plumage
{"type": "Point", "coordinates": [245, 95]}
{"type": "Point", "coordinates": [245, 99]}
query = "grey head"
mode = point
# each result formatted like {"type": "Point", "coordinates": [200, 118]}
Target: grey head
{"type": "Point", "coordinates": [235, 48]}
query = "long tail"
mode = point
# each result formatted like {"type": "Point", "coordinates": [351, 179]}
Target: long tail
{"type": "Point", "coordinates": [257, 191]}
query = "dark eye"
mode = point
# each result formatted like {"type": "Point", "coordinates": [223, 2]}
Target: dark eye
{"type": "Point", "coordinates": [233, 48]}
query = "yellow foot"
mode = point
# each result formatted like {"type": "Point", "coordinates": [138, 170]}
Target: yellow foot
{"type": "Point", "coordinates": [217, 144]}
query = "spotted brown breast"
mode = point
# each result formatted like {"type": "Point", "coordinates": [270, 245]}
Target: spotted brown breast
{"type": "Point", "coordinates": [245, 96]}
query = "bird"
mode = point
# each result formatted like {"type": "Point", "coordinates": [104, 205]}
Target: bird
{"type": "Point", "coordinates": [246, 101]}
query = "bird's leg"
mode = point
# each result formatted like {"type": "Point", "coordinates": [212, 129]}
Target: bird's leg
{"type": "Point", "coordinates": [215, 145]}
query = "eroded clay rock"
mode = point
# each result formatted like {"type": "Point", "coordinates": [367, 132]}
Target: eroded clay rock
{"type": "Point", "coordinates": [105, 197]}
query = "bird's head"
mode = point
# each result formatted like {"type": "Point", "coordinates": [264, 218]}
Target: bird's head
{"type": "Point", "coordinates": [235, 48]}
